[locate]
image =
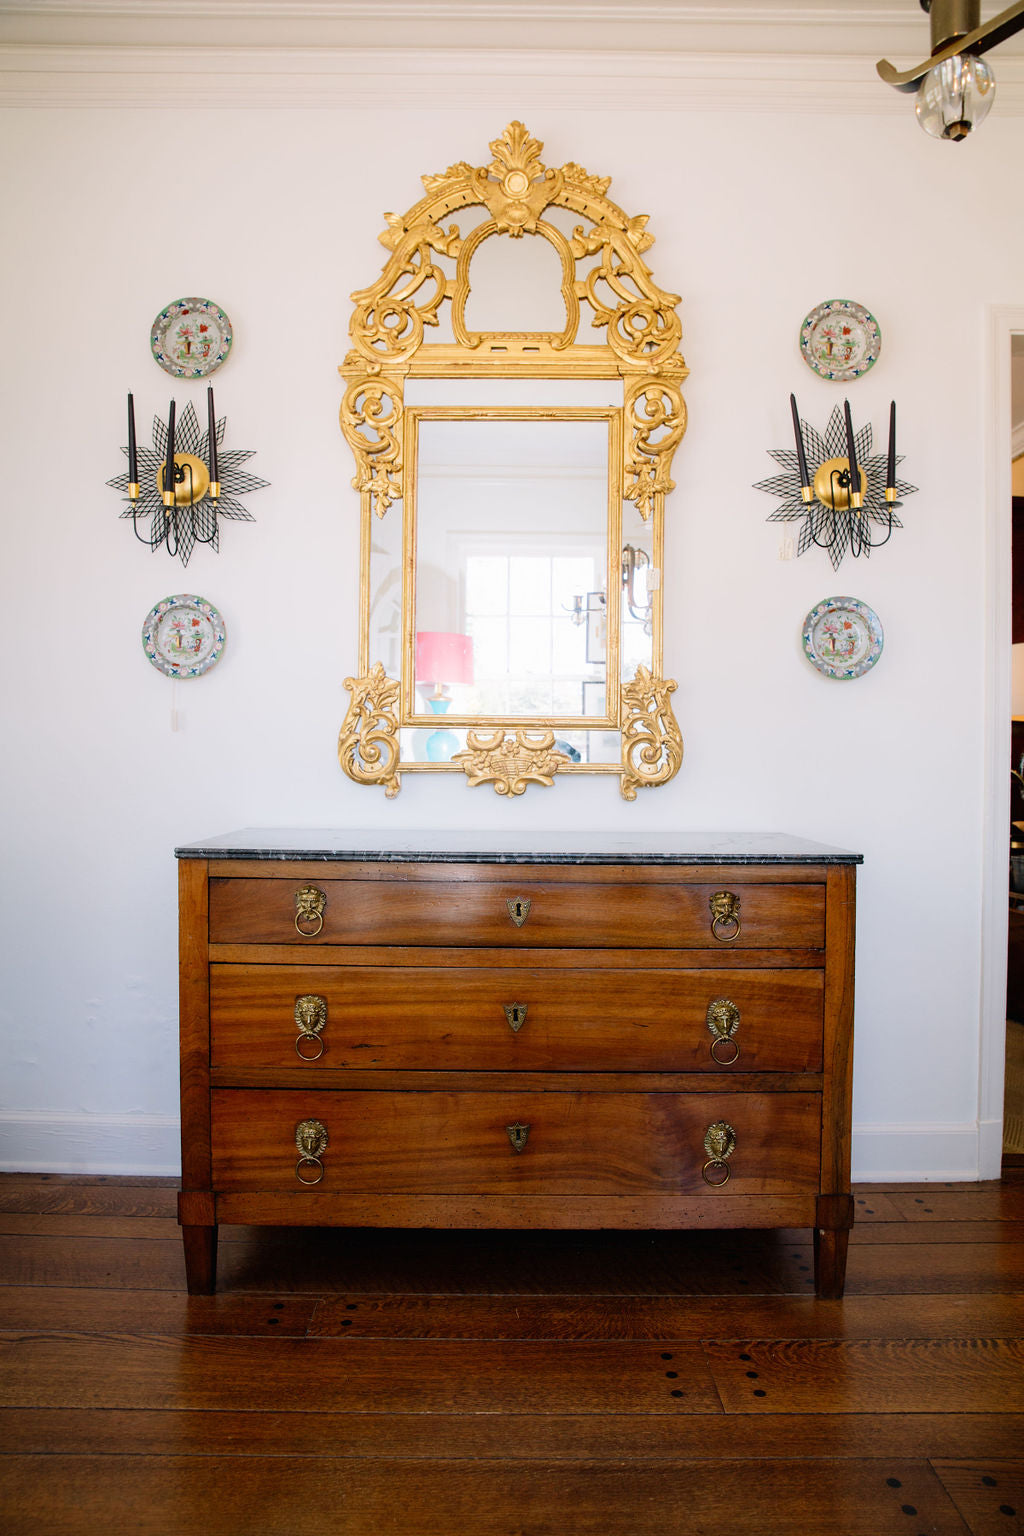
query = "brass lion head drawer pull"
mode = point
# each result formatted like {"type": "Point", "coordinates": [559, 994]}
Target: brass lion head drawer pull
{"type": "Point", "coordinates": [310, 902]}
{"type": "Point", "coordinates": [719, 1144]}
{"type": "Point", "coordinates": [518, 909]}
{"type": "Point", "coordinates": [517, 1135]}
{"type": "Point", "coordinates": [311, 1142]}
{"type": "Point", "coordinates": [723, 1020]}
{"type": "Point", "coordinates": [310, 1017]}
{"type": "Point", "coordinates": [515, 1013]}
{"type": "Point", "coordinates": [725, 921]}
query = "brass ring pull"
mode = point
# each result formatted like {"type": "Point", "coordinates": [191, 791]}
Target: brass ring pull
{"type": "Point", "coordinates": [725, 906]}
{"type": "Point", "coordinates": [723, 1169]}
{"type": "Point", "coordinates": [723, 1020]}
{"type": "Point", "coordinates": [311, 1017]}
{"type": "Point", "coordinates": [719, 1144]}
{"type": "Point", "coordinates": [310, 902]}
{"type": "Point", "coordinates": [310, 1040]}
{"type": "Point", "coordinates": [310, 1141]}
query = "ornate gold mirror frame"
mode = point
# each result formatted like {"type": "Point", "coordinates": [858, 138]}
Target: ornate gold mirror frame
{"type": "Point", "coordinates": [602, 266]}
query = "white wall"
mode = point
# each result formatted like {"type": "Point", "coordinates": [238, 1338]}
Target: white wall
{"type": "Point", "coordinates": [114, 212]}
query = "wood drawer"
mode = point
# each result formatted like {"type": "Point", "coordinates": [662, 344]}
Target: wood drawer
{"type": "Point", "coordinates": [457, 1142]}
{"type": "Point", "coordinates": [454, 1018]}
{"type": "Point", "coordinates": [461, 913]}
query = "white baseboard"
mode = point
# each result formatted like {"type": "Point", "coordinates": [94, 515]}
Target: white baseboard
{"type": "Point", "coordinates": [918, 1153]}
{"type": "Point", "coordinates": [45, 1141]}
{"type": "Point", "coordinates": [48, 1141]}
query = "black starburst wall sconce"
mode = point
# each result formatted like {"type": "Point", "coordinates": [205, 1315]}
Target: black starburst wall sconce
{"type": "Point", "coordinates": [184, 506]}
{"type": "Point", "coordinates": [842, 492]}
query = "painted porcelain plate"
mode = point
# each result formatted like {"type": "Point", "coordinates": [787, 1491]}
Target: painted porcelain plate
{"type": "Point", "coordinates": [184, 636]}
{"type": "Point", "coordinates": [190, 338]}
{"type": "Point", "coordinates": [840, 340]}
{"type": "Point", "coordinates": [842, 637]}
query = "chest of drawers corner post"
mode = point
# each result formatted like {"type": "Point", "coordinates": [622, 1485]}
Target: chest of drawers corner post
{"type": "Point", "coordinates": [379, 1040]}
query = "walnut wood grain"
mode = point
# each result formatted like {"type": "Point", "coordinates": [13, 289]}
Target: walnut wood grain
{"type": "Point", "coordinates": [632, 913]}
{"type": "Point", "coordinates": [611, 1067]}
{"type": "Point", "coordinates": [424, 1143]}
{"type": "Point", "coordinates": [454, 1018]}
{"type": "Point", "coordinates": [194, 1022]}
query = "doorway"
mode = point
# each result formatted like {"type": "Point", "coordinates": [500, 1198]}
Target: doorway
{"type": "Point", "coordinates": [1013, 1100]}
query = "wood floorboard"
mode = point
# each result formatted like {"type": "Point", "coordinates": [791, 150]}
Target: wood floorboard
{"type": "Point", "coordinates": [58, 1309]}
{"type": "Point", "coordinates": [393, 1316]}
{"type": "Point", "coordinates": [867, 1376]}
{"type": "Point", "coordinates": [988, 1493]}
{"type": "Point", "coordinates": [666, 1317]}
{"type": "Point", "coordinates": [536, 1437]}
{"type": "Point", "coordinates": [510, 1383]}
{"type": "Point", "coordinates": [353, 1375]}
{"type": "Point", "coordinates": [20, 1194]}
{"type": "Point", "coordinates": [187, 1495]}
{"type": "Point", "coordinates": [312, 1260]}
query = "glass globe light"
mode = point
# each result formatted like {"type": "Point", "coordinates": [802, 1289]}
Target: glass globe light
{"type": "Point", "coordinates": [955, 96]}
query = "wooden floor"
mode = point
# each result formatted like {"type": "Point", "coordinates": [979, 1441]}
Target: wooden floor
{"type": "Point", "coordinates": [475, 1384]}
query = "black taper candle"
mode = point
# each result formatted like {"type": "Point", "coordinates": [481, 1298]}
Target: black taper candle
{"type": "Point", "coordinates": [801, 456]}
{"type": "Point", "coordinates": [211, 419]}
{"type": "Point", "coordinates": [890, 473]}
{"type": "Point", "coordinates": [851, 455]}
{"type": "Point", "coordinates": [133, 457]}
{"type": "Point", "coordinates": [169, 466]}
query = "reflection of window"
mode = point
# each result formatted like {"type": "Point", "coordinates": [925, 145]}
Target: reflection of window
{"type": "Point", "coordinates": [529, 656]}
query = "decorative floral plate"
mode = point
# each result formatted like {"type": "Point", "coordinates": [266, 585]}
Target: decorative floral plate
{"type": "Point", "coordinates": [190, 338]}
{"type": "Point", "coordinates": [184, 636]}
{"type": "Point", "coordinates": [842, 637]}
{"type": "Point", "coordinates": [840, 340]}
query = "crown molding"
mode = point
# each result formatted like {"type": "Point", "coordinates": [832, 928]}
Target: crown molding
{"type": "Point", "coordinates": [896, 27]}
{"type": "Point", "coordinates": [669, 55]}
{"type": "Point", "coordinates": [364, 78]}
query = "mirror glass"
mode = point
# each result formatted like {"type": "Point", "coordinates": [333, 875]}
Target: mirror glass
{"type": "Point", "coordinates": [511, 521]}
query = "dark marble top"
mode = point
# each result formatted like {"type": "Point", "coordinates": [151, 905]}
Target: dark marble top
{"type": "Point", "coordinates": [373, 844]}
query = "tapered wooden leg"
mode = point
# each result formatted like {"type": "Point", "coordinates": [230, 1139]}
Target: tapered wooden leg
{"type": "Point", "coordinates": [830, 1248]}
{"type": "Point", "coordinates": [200, 1259]}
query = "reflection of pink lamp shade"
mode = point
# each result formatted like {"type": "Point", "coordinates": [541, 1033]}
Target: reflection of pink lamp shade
{"type": "Point", "coordinates": [443, 658]}
{"type": "Point", "coordinates": [1017, 702]}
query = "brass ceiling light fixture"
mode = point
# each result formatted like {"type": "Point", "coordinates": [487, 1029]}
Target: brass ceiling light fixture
{"type": "Point", "coordinates": [955, 87]}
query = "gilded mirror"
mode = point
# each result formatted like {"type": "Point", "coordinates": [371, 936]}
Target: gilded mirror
{"type": "Point", "coordinates": [512, 482]}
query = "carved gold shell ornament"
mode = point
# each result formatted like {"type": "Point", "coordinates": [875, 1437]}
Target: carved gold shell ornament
{"type": "Point", "coordinates": [618, 325]}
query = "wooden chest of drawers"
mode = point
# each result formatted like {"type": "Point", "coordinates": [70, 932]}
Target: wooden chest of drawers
{"type": "Point", "coordinates": [576, 1037]}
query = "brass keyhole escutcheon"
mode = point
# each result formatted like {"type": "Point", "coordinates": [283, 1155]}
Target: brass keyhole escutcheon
{"type": "Point", "coordinates": [723, 1020]}
{"type": "Point", "coordinates": [517, 1135]}
{"type": "Point", "coordinates": [725, 919]}
{"type": "Point", "coordinates": [310, 902]}
{"type": "Point", "coordinates": [518, 909]}
{"type": "Point", "coordinates": [310, 1017]}
{"type": "Point", "coordinates": [515, 1013]}
{"type": "Point", "coordinates": [311, 1142]}
{"type": "Point", "coordinates": [719, 1144]}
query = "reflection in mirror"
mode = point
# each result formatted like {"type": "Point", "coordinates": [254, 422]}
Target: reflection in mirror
{"type": "Point", "coordinates": [639, 579]}
{"type": "Point", "coordinates": [515, 286]}
{"type": "Point", "coordinates": [385, 595]}
{"type": "Point", "coordinates": [511, 566]}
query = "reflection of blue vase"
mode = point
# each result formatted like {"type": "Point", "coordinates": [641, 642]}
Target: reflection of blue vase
{"type": "Point", "coordinates": [440, 744]}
